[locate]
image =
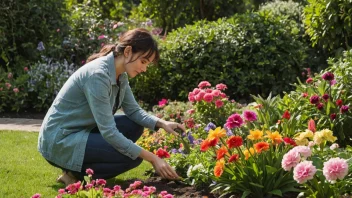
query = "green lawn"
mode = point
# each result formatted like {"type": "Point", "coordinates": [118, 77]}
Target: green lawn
{"type": "Point", "coordinates": [24, 172]}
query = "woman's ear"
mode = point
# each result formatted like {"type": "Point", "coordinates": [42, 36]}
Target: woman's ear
{"type": "Point", "coordinates": [127, 51]}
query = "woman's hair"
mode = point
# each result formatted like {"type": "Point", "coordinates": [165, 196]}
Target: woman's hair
{"type": "Point", "coordinates": [139, 39]}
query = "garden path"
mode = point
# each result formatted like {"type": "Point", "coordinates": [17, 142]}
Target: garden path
{"type": "Point", "coordinates": [20, 124]}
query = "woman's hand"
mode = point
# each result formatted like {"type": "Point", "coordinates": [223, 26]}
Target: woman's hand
{"type": "Point", "coordinates": [160, 165]}
{"type": "Point", "coordinates": [170, 126]}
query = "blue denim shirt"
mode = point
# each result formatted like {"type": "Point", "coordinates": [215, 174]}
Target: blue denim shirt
{"type": "Point", "coordinates": [83, 103]}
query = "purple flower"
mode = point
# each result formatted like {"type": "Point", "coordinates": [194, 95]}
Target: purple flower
{"type": "Point", "coordinates": [174, 151]}
{"type": "Point", "coordinates": [190, 138]}
{"type": "Point", "coordinates": [250, 116]}
{"type": "Point", "coordinates": [209, 126]}
{"type": "Point", "coordinates": [344, 108]}
{"type": "Point", "coordinates": [332, 82]}
{"type": "Point", "coordinates": [228, 131]}
{"type": "Point", "coordinates": [328, 76]}
{"type": "Point", "coordinates": [40, 46]}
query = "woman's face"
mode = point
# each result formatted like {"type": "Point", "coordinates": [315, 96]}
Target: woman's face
{"type": "Point", "coordinates": [137, 63]}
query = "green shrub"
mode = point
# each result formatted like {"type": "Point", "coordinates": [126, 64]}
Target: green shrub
{"type": "Point", "coordinates": [291, 9]}
{"type": "Point", "coordinates": [329, 23]}
{"type": "Point", "coordinates": [253, 53]}
{"type": "Point", "coordinates": [23, 24]}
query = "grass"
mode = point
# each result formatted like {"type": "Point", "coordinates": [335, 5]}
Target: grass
{"type": "Point", "coordinates": [24, 172]}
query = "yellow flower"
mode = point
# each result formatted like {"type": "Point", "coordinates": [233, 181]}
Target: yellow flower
{"type": "Point", "coordinates": [248, 153]}
{"type": "Point", "coordinates": [302, 138]}
{"type": "Point", "coordinates": [324, 135]}
{"type": "Point", "coordinates": [275, 137]}
{"type": "Point", "coordinates": [220, 163]}
{"type": "Point", "coordinates": [255, 134]}
{"type": "Point", "coordinates": [217, 133]}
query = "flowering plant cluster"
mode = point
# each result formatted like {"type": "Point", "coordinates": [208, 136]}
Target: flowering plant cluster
{"type": "Point", "coordinates": [251, 166]}
{"type": "Point", "coordinates": [172, 110]}
{"type": "Point", "coordinates": [210, 104]}
{"type": "Point", "coordinates": [152, 141]}
{"type": "Point", "coordinates": [97, 188]}
{"type": "Point", "coordinates": [13, 90]}
{"type": "Point", "coordinates": [322, 171]}
{"type": "Point", "coordinates": [324, 98]}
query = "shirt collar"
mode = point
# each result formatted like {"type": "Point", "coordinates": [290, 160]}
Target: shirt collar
{"type": "Point", "coordinates": [112, 69]}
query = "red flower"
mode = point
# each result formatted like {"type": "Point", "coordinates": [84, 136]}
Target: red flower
{"type": "Point", "coordinates": [289, 141]}
{"type": "Point", "coordinates": [314, 99]}
{"type": "Point", "coordinates": [218, 170]}
{"type": "Point", "coordinates": [162, 153]}
{"type": "Point", "coordinates": [304, 95]}
{"type": "Point", "coordinates": [339, 102]}
{"type": "Point", "coordinates": [333, 116]}
{"type": "Point", "coordinates": [234, 158]}
{"type": "Point", "coordinates": [213, 142]}
{"type": "Point", "coordinates": [344, 109]}
{"type": "Point", "coordinates": [286, 115]}
{"type": "Point", "coordinates": [320, 106]}
{"type": "Point", "coordinates": [325, 97]}
{"type": "Point", "coordinates": [328, 76]}
{"type": "Point", "coordinates": [234, 141]}
{"type": "Point", "coordinates": [204, 146]}
{"type": "Point", "coordinates": [220, 153]}
{"type": "Point", "coordinates": [309, 80]}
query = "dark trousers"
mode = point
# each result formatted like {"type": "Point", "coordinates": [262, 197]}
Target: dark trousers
{"type": "Point", "coordinates": [102, 158]}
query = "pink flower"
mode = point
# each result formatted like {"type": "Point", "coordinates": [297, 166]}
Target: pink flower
{"type": "Point", "coordinates": [320, 106]}
{"type": "Point", "coordinates": [335, 168]}
{"type": "Point", "coordinates": [303, 150]}
{"type": "Point", "coordinates": [200, 95]}
{"type": "Point", "coordinates": [117, 188]}
{"type": "Point", "coordinates": [61, 191]}
{"type": "Point", "coordinates": [203, 84]}
{"type": "Point", "coordinates": [162, 102]}
{"type": "Point", "coordinates": [328, 76]}
{"type": "Point", "coordinates": [333, 82]}
{"type": "Point", "coordinates": [219, 103]}
{"type": "Point", "coordinates": [58, 30]}
{"type": "Point", "coordinates": [8, 85]}
{"type": "Point", "coordinates": [101, 182]}
{"type": "Point", "coordinates": [223, 95]}
{"type": "Point", "coordinates": [334, 146]}
{"type": "Point", "coordinates": [208, 90]}
{"type": "Point", "coordinates": [36, 195]}
{"type": "Point", "coordinates": [311, 125]}
{"type": "Point", "coordinates": [101, 37]}
{"type": "Point", "coordinates": [25, 69]}
{"type": "Point", "coordinates": [250, 115]}
{"type": "Point", "coordinates": [191, 97]}
{"type": "Point", "coordinates": [208, 97]}
{"type": "Point", "coordinates": [191, 111]}
{"type": "Point", "coordinates": [88, 186]}
{"type": "Point", "coordinates": [16, 90]}
{"type": "Point", "coordinates": [196, 91]}
{"type": "Point", "coordinates": [309, 80]}
{"type": "Point", "coordinates": [89, 172]}
{"type": "Point", "coordinates": [304, 171]}
{"type": "Point", "coordinates": [221, 86]}
{"type": "Point", "coordinates": [235, 120]}
{"type": "Point", "coordinates": [102, 44]}
{"type": "Point", "coordinates": [115, 26]}
{"type": "Point", "coordinates": [290, 160]}
{"type": "Point", "coordinates": [9, 75]}
{"type": "Point", "coordinates": [215, 92]}
{"type": "Point", "coordinates": [135, 184]}
{"type": "Point", "coordinates": [1, 88]}
{"type": "Point", "coordinates": [304, 95]}
{"type": "Point", "coordinates": [83, 62]}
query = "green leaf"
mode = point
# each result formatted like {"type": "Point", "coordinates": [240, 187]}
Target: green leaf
{"type": "Point", "coordinates": [257, 185]}
{"type": "Point", "coordinates": [245, 194]}
{"type": "Point", "coordinates": [276, 192]}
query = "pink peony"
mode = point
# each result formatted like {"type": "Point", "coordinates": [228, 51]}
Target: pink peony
{"type": "Point", "coordinates": [203, 84]}
{"type": "Point", "coordinates": [290, 160]}
{"type": "Point", "coordinates": [335, 168]}
{"type": "Point", "coordinates": [196, 91]}
{"type": "Point", "coordinates": [303, 150]}
{"type": "Point", "coordinates": [89, 172]}
{"type": "Point", "coordinates": [304, 171]}
{"type": "Point", "coordinates": [309, 80]}
{"type": "Point", "coordinates": [200, 95]}
{"type": "Point", "coordinates": [234, 121]}
{"type": "Point", "coordinates": [219, 103]}
{"type": "Point", "coordinates": [216, 92]}
{"type": "Point", "coordinates": [208, 97]}
{"type": "Point", "coordinates": [250, 115]}
{"type": "Point", "coordinates": [101, 182]}
{"type": "Point", "coordinates": [36, 195]}
{"type": "Point", "coordinates": [221, 86]}
{"type": "Point", "coordinates": [191, 97]}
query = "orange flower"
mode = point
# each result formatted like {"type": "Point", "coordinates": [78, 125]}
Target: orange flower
{"type": "Point", "coordinates": [261, 146]}
{"type": "Point", "coordinates": [275, 137]}
{"type": "Point", "coordinates": [234, 141]}
{"type": "Point", "coordinates": [255, 134]}
{"type": "Point", "coordinates": [234, 158]}
{"type": "Point", "coordinates": [248, 153]}
{"type": "Point", "coordinates": [204, 146]}
{"type": "Point", "coordinates": [218, 170]}
{"type": "Point", "coordinates": [220, 153]}
{"type": "Point", "coordinates": [217, 133]}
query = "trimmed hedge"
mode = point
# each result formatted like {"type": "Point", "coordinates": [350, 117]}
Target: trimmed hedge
{"type": "Point", "coordinates": [254, 53]}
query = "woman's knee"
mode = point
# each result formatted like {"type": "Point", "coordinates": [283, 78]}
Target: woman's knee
{"type": "Point", "coordinates": [129, 128]}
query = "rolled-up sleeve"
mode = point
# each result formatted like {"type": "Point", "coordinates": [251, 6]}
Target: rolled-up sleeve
{"type": "Point", "coordinates": [97, 89]}
{"type": "Point", "coordinates": [133, 111]}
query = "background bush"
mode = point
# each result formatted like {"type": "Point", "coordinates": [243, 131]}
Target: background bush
{"type": "Point", "coordinates": [254, 53]}
{"type": "Point", "coordinates": [329, 24]}
{"type": "Point", "coordinates": [23, 24]}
